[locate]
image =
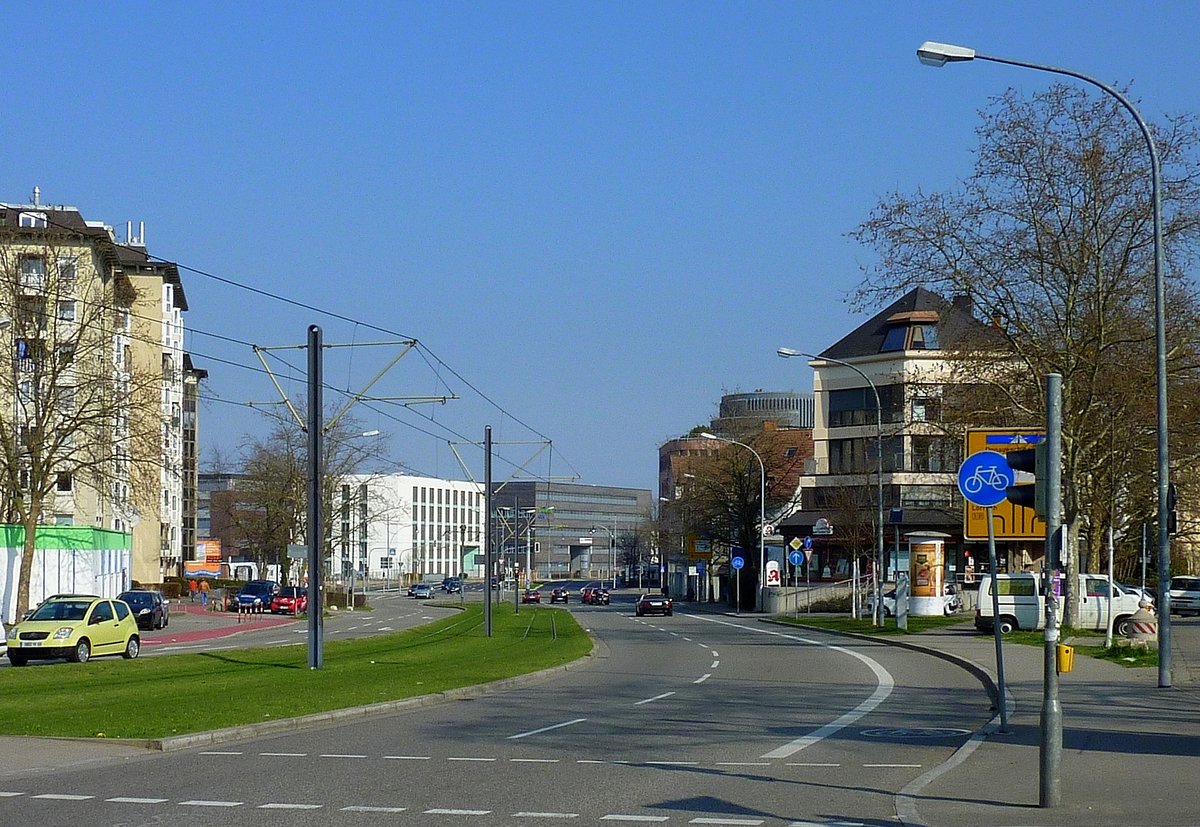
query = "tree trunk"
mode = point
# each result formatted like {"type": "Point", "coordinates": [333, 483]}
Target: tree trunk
{"type": "Point", "coordinates": [26, 571]}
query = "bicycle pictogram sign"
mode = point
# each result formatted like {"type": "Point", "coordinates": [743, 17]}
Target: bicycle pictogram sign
{"type": "Point", "coordinates": [984, 478]}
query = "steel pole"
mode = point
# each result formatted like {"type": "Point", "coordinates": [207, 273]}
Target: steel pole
{"type": "Point", "coordinates": [316, 526]}
{"type": "Point", "coordinates": [1050, 749]}
{"type": "Point", "coordinates": [487, 530]}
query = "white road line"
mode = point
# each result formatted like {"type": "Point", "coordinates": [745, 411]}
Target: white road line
{"type": "Point", "coordinates": [703, 677]}
{"type": "Point", "coordinates": [743, 763]}
{"type": "Point", "coordinates": [715, 664]}
{"type": "Point", "coordinates": [64, 797]}
{"type": "Point", "coordinates": [10, 795]}
{"type": "Point", "coordinates": [688, 639]}
{"type": "Point", "coordinates": [438, 811]}
{"type": "Point", "coordinates": [894, 766]}
{"type": "Point", "coordinates": [655, 698]}
{"type": "Point", "coordinates": [715, 655]}
{"type": "Point", "coordinates": [126, 800]}
{"type": "Point", "coordinates": [203, 803]}
{"type": "Point", "coordinates": [623, 817]}
{"type": "Point", "coordinates": [534, 760]}
{"type": "Point", "coordinates": [815, 764]}
{"type": "Point", "coordinates": [361, 809]}
{"type": "Point", "coordinates": [220, 753]}
{"type": "Point", "coordinates": [546, 729]}
{"type": "Point", "coordinates": [885, 683]}
{"type": "Point", "coordinates": [827, 824]}
{"type": "Point", "coordinates": [545, 815]}
{"type": "Point", "coordinates": [672, 763]}
{"type": "Point", "coordinates": [284, 754]}
{"type": "Point", "coordinates": [407, 757]}
{"type": "Point", "coordinates": [674, 634]}
{"type": "Point", "coordinates": [290, 806]}
{"type": "Point", "coordinates": [741, 821]}
{"type": "Point", "coordinates": [340, 755]}
{"type": "Point", "coordinates": [471, 759]}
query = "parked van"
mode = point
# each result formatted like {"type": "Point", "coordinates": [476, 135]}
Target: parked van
{"type": "Point", "coordinates": [1185, 595]}
{"type": "Point", "coordinates": [1022, 605]}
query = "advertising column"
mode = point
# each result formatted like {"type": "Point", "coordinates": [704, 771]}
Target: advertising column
{"type": "Point", "coordinates": [927, 560]}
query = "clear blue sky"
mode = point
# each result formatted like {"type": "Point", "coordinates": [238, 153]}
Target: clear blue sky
{"type": "Point", "coordinates": [600, 215]}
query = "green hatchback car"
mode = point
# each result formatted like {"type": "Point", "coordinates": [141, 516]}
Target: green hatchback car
{"type": "Point", "coordinates": [75, 628]}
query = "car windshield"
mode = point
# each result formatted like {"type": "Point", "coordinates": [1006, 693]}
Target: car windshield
{"type": "Point", "coordinates": [292, 591]}
{"type": "Point", "coordinates": [137, 599]}
{"type": "Point", "coordinates": [1185, 584]}
{"type": "Point", "coordinates": [62, 610]}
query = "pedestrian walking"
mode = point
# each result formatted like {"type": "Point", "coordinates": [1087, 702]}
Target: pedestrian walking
{"type": "Point", "coordinates": [204, 593]}
{"type": "Point", "coordinates": [192, 590]}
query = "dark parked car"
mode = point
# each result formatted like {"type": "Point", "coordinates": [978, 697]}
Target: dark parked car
{"type": "Point", "coordinates": [254, 596]}
{"type": "Point", "coordinates": [531, 596]}
{"type": "Point", "coordinates": [652, 604]}
{"type": "Point", "coordinates": [452, 585]}
{"type": "Point", "coordinates": [291, 600]}
{"type": "Point", "coordinates": [600, 597]}
{"type": "Point", "coordinates": [149, 608]}
{"type": "Point", "coordinates": [560, 596]}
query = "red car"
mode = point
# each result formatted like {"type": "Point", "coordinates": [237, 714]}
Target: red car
{"type": "Point", "coordinates": [585, 595]}
{"type": "Point", "coordinates": [531, 596]}
{"type": "Point", "coordinates": [649, 604]}
{"type": "Point", "coordinates": [291, 600]}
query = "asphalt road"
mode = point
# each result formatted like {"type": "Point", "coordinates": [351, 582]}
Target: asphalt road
{"type": "Point", "coordinates": [691, 719]}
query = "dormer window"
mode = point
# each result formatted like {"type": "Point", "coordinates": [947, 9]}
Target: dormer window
{"type": "Point", "coordinates": [36, 220]}
{"type": "Point", "coordinates": [915, 330]}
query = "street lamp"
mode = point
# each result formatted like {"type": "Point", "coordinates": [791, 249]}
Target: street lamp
{"type": "Point", "coordinates": [762, 517]}
{"type": "Point", "coordinates": [612, 553]}
{"type": "Point", "coordinates": [788, 353]}
{"type": "Point", "coordinates": [939, 54]}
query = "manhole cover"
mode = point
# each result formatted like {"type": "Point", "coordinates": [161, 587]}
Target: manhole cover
{"type": "Point", "coordinates": [915, 733]}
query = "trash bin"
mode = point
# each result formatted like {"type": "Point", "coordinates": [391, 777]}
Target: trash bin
{"type": "Point", "coordinates": [1064, 657]}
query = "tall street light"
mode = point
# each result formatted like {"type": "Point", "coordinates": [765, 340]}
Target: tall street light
{"type": "Point", "coordinates": [939, 54]}
{"type": "Point", "coordinates": [789, 353]}
{"type": "Point", "coordinates": [612, 553]}
{"type": "Point", "coordinates": [762, 517]}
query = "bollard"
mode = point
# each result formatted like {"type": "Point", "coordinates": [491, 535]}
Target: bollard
{"type": "Point", "coordinates": [1142, 627]}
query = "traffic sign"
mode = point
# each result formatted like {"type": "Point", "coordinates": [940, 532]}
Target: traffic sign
{"type": "Point", "coordinates": [796, 543]}
{"type": "Point", "coordinates": [737, 563]}
{"type": "Point", "coordinates": [795, 558]}
{"type": "Point", "coordinates": [1009, 521]}
{"type": "Point", "coordinates": [808, 543]}
{"type": "Point", "coordinates": [984, 478]}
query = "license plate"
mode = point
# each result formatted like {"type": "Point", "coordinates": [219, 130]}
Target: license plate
{"type": "Point", "coordinates": [30, 644]}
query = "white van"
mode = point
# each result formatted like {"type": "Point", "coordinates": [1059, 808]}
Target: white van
{"type": "Point", "coordinates": [1185, 595]}
{"type": "Point", "coordinates": [1022, 606]}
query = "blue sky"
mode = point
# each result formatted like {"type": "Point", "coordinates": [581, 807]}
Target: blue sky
{"type": "Point", "coordinates": [600, 216]}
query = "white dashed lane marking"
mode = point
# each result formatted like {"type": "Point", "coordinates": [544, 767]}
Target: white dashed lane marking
{"type": "Point", "coordinates": [546, 729]}
{"type": "Point", "coordinates": [290, 806]}
{"type": "Point", "coordinates": [643, 819]}
{"type": "Point", "coordinates": [361, 809]}
{"type": "Point", "coordinates": [437, 811]}
{"type": "Point", "coordinates": [204, 803]}
{"type": "Point", "coordinates": [703, 677]}
{"type": "Point", "coordinates": [64, 797]}
{"type": "Point", "coordinates": [127, 800]}
{"type": "Point", "coordinates": [655, 698]}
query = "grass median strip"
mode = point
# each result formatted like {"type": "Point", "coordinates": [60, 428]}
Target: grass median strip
{"type": "Point", "coordinates": [195, 692]}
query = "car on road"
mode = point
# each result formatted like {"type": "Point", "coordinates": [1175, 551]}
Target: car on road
{"type": "Point", "coordinates": [290, 600]}
{"type": "Point", "coordinates": [254, 596]}
{"type": "Point", "coordinates": [1143, 594]}
{"type": "Point", "coordinates": [1185, 596]}
{"type": "Point", "coordinates": [951, 602]}
{"type": "Point", "coordinates": [600, 597]}
{"type": "Point", "coordinates": [452, 585]}
{"type": "Point", "coordinates": [585, 594]}
{"type": "Point", "coordinates": [531, 596]}
{"type": "Point", "coordinates": [75, 628]}
{"type": "Point", "coordinates": [560, 596]}
{"type": "Point", "coordinates": [422, 591]}
{"type": "Point", "coordinates": [653, 604]}
{"type": "Point", "coordinates": [149, 608]}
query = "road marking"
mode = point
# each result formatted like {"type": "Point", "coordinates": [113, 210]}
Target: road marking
{"type": "Point", "coordinates": [534, 760]}
{"type": "Point", "coordinates": [745, 821]}
{"type": "Point", "coordinates": [437, 811]}
{"type": "Point", "coordinates": [655, 698]}
{"type": "Point", "coordinates": [622, 817]}
{"type": "Point", "coordinates": [715, 664]}
{"type": "Point", "coordinates": [471, 759]}
{"type": "Point", "coordinates": [672, 763]}
{"type": "Point", "coordinates": [10, 795]}
{"type": "Point", "coordinates": [546, 729]}
{"type": "Point", "coordinates": [340, 755]}
{"type": "Point", "coordinates": [896, 766]}
{"type": "Point", "coordinates": [674, 634]}
{"type": "Point", "coordinates": [362, 809]}
{"type": "Point", "coordinates": [715, 655]}
{"type": "Point", "coordinates": [703, 677]}
{"type": "Point", "coordinates": [290, 806]}
{"type": "Point", "coordinates": [220, 753]}
{"type": "Point", "coordinates": [203, 803]}
{"type": "Point", "coordinates": [688, 639]}
{"type": "Point", "coordinates": [545, 815]}
{"type": "Point", "coordinates": [284, 754]}
{"type": "Point", "coordinates": [407, 757]}
{"type": "Point", "coordinates": [827, 824]}
{"type": "Point", "coordinates": [815, 764]}
{"type": "Point", "coordinates": [64, 797]}
{"type": "Point", "coordinates": [885, 683]}
{"type": "Point", "coordinates": [743, 763]}
{"type": "Point", "coordinates": [127, 800]}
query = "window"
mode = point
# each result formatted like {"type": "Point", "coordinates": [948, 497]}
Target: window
{"type": "Point", "coordinates": [894, 339]}
{"type": "Point", "coordinates": [856, 406]}
{"type": "Point", "coordinates": [934, 454]}
{"type": "Point", "coordinates": [64, 483]}
{"type": "Point", "coordinates": [790, 452]}
{"type": "Point", "coordinates": [66, 311]}
{"type": "Point", "coordinates": [102, 613]}
{"type": "Point", "coordinates": [68, 270]}
{"type": "Point", "coordinates": [33, 271]}
{"type": "Point", "coordinates": [910, 337]}
{"type": "Point", "coordinates": [34, 220]}
{"type": "Point", "coordinates": [926, 409]}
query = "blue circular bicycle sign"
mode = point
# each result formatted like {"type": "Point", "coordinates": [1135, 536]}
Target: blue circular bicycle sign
{"type": "Point", "coordinates": [737, 562]}
{"type": "Point", "coordinates": [984, 478]}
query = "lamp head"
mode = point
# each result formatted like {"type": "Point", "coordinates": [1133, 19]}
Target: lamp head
{"type": "Point", "coordinates": [707, 435]}
{"type": "Point", "coordinates": [931, 53]}
{"type": "Point", "coordinates": [788, 353]}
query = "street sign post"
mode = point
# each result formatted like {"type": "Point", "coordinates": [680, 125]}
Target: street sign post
{"type": "Point", "coordinates": [736, 563]}
{"type": "Point", "coordinates": [1009, 521]}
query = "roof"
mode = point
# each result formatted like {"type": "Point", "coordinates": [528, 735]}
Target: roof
{"type": "Point", "coordinates": [920, 306]}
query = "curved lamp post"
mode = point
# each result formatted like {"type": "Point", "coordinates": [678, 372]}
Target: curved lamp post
{"type": "Point", "coordinates": [939, 54]}
{"type": "Point", "coordinates": [762, 517]}
{"type": "Point", "coordinates": [788, 353]}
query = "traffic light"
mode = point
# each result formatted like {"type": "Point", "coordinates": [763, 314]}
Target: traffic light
{"type": "Point", "coordinates": [1030, 494]}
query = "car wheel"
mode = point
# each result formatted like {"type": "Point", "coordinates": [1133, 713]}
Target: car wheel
{"type": "Point", "coordinates": [160, 623]}
{"type": "Point", "coordinates": [1008, 625]}
{"type": "Point", "coordinates": [166, 621]}
{"type": "Point", "coordinates": [81, 652]}
{"type": "Point", "coordinates": [1121, 626]}
{"type": "Point", "coordinates": [17, 660]}
{"type": "Point", "coordinates": [132, 647]}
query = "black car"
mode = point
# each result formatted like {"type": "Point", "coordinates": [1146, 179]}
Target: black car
{"type": "Point", "coordinates": [452, 585]}
{"type": "Point", "coordinates": [560, 596]}
{"type": "Point", "coordinates": [149, 608]}
{"type": "Point", "coordinates": [254, 596]}
{"type": "Point", "coordinates": [651, 604]}
{"type": "Point", "coordinates": [600, 597]}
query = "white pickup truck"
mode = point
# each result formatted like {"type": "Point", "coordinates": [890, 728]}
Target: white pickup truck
{"type": "Point", "coordinates": [1023, 607]}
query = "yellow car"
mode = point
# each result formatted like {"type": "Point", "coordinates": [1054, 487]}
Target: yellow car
{"type": "Point", "coordinates": [76, 628]}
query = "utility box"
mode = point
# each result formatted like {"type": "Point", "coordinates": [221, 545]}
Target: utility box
{"type": "Point", "coordinates": [1064, 657]}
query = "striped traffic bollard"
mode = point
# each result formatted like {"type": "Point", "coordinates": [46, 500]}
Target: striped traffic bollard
{"type": "Point", "coordinates": [1142, 628]}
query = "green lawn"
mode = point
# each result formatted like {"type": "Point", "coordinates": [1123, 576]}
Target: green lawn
{"type": "Point", "coordinates": [845, 623]}
{"type": "Point", "coordinates": [175, 694]}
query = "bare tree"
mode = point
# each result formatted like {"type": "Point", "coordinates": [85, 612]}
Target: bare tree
{"type": "Point", "coordinates": [73, 442]}
{"type": "Point", "coordinates": [1051, 239]}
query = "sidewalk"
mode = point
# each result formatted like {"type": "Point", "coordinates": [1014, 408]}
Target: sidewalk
{"type": "Point", "coordinates": [1130, 750]}
{"type": "Point", "coordinates": [191, 622]}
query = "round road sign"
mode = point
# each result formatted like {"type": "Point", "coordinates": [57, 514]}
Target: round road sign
{"type": "Point", "coordinates": [984, 478]}
{"type": "Point", "coordinates": [737, 562]}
